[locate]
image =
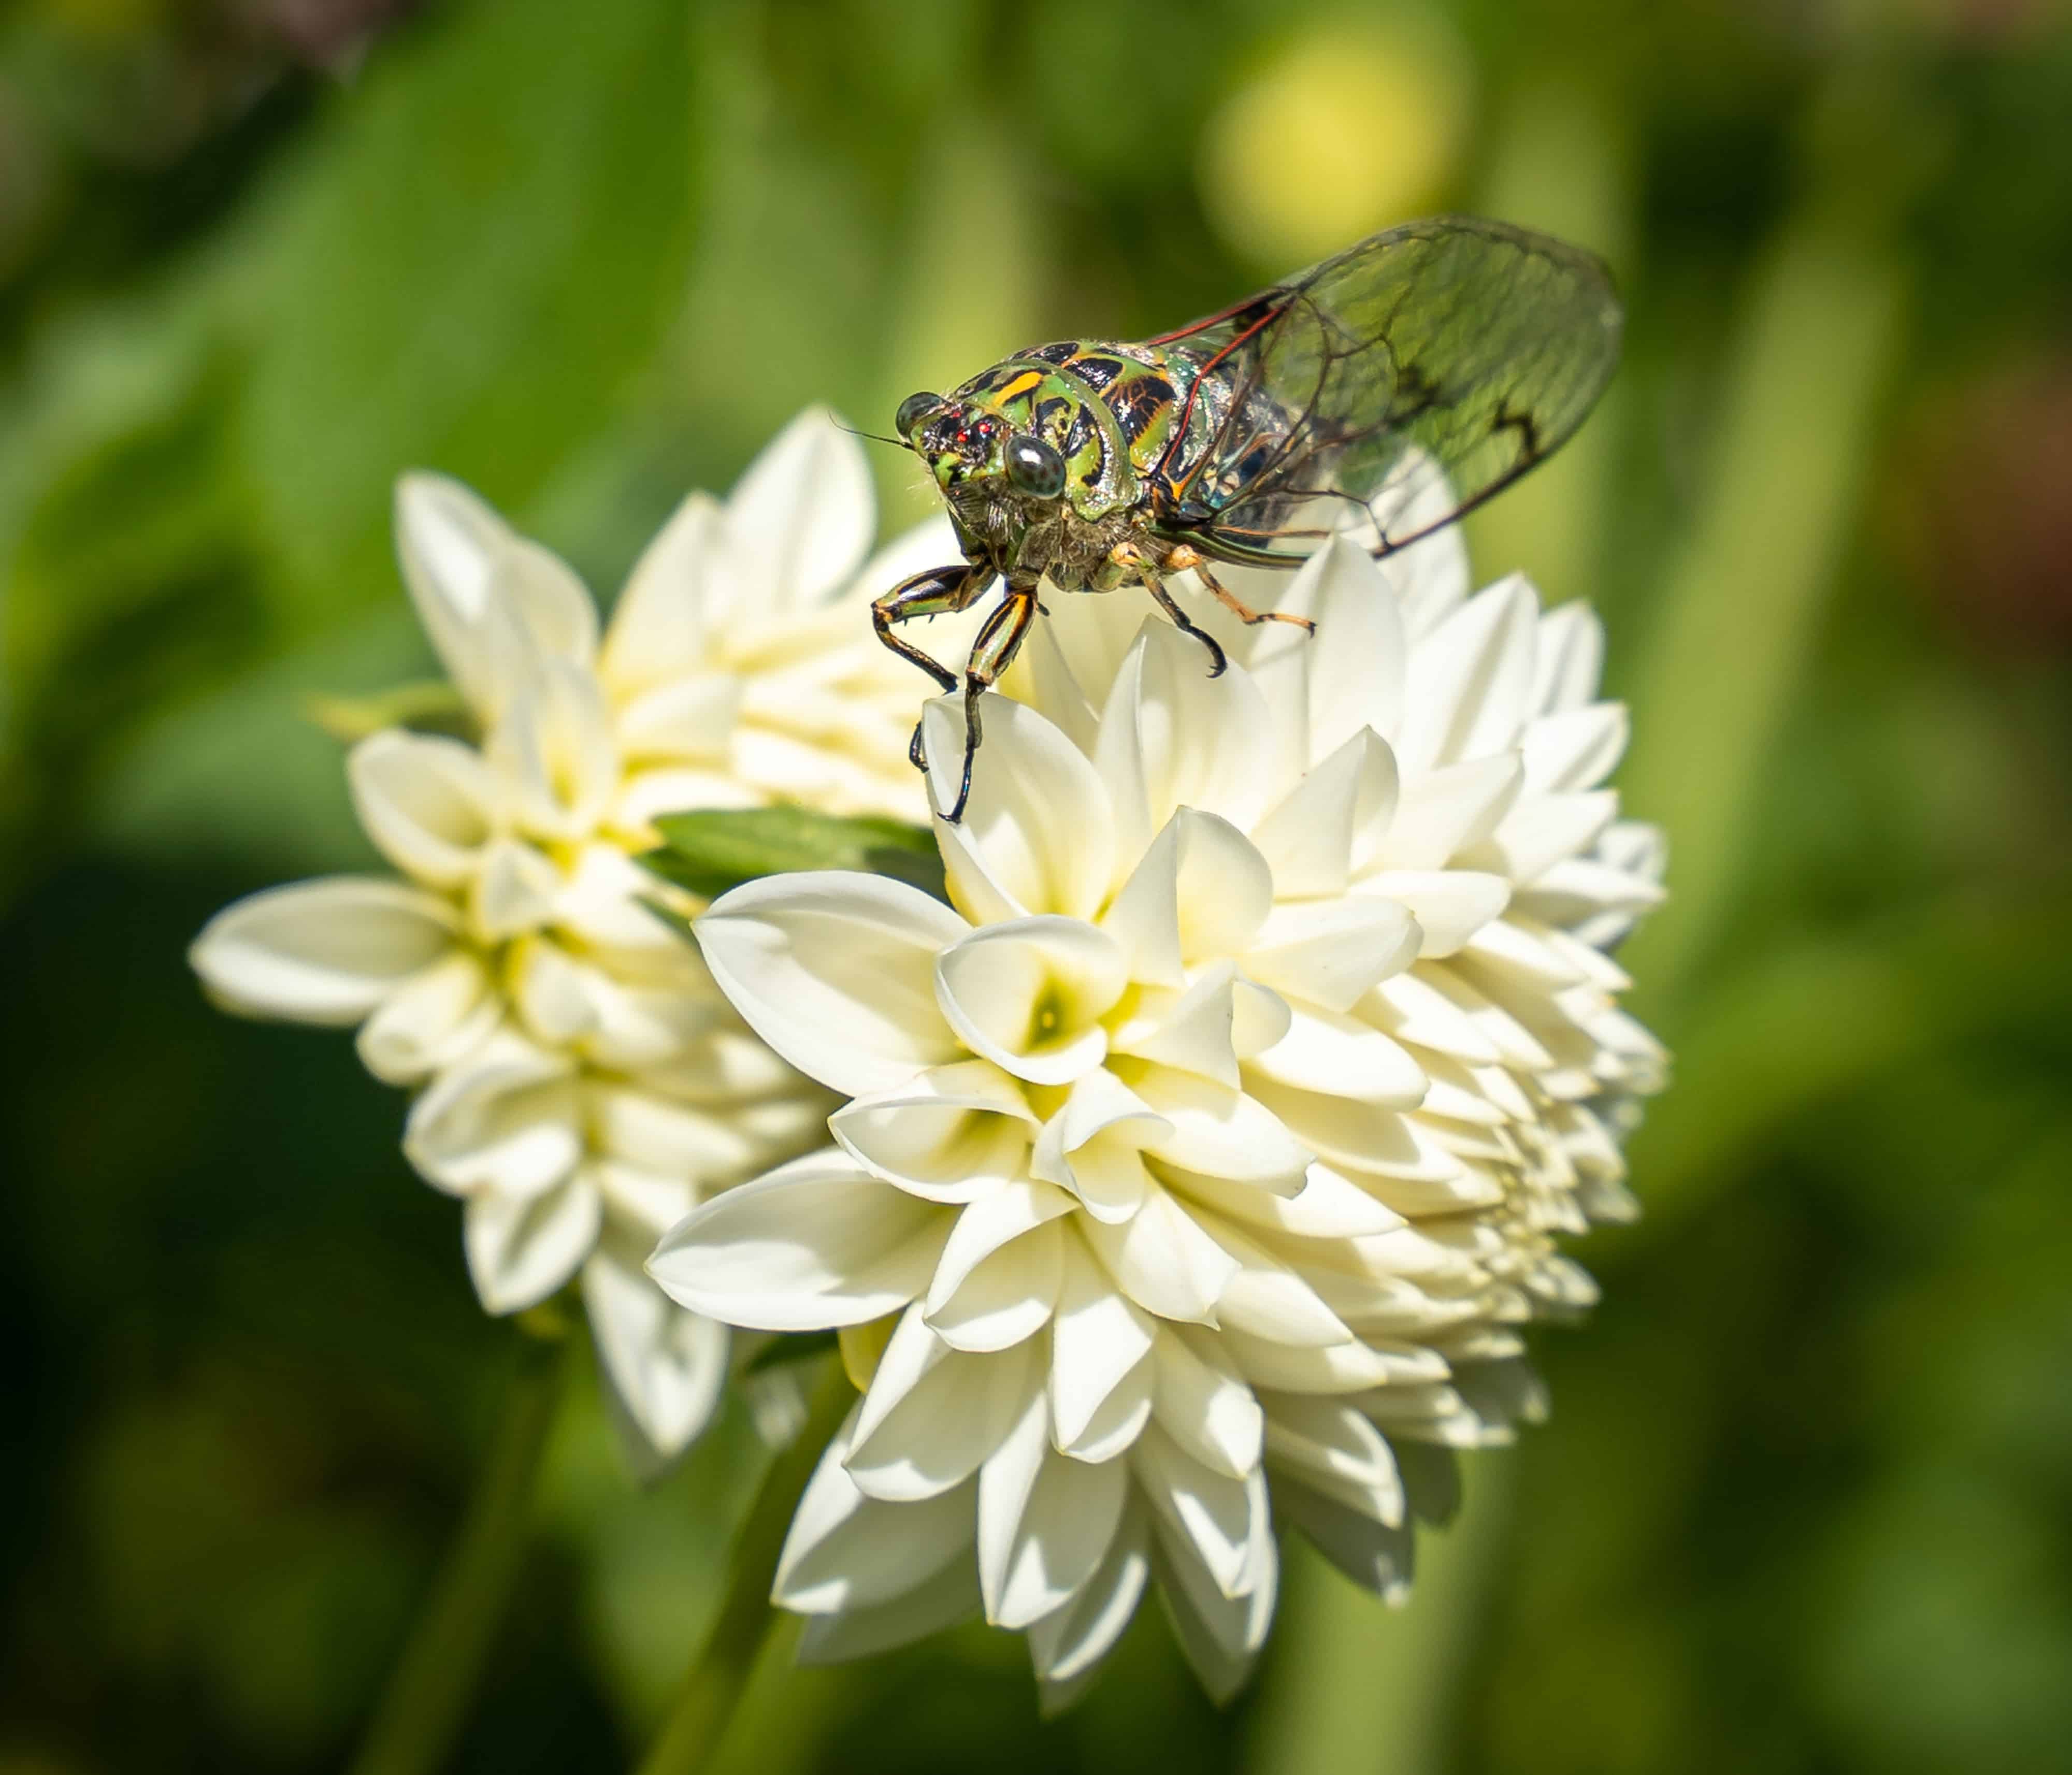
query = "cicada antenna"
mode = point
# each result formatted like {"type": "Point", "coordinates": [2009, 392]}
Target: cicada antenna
{"type": "Point", "coordinates": [875, 438]}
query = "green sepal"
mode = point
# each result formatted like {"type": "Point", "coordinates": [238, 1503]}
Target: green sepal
{"type": "Point", "coordinates": [707, 852]}
{"type": "Point", "coordinates": [430, 706]}
{"type": "Point", "coordinates": [792, 1347]}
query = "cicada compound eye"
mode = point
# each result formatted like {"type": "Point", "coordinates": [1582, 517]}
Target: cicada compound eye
{"type": "Point", "coordinates": [1034, 468]}
{"type": "Point", "coordinates": [913, 410]}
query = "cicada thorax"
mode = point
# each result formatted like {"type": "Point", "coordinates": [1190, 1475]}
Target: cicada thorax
{"type": "Point", "coordinates": [1109, 409]}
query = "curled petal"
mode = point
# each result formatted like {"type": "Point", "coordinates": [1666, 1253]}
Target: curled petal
{"type": "Point", "coordinates": [508, 1117]}
{"type": "Point", "coordinates": [934, 1414]}
{"type": "Point", "coordinates": [430, 804]}
{"type": "Point", "coordinates": [1037, 836]}
{"type": "Point", "coordinates": [951, 1134]}
{"type": "Point", "coordinates": [666, 1367]}
{"type": "Point", "coordinates": [1045, 1522]}
{"type": "Point", "coordinates": [430, 1021]}
{"type": "Point", "coordinates": [837, 971]}
{"type": "Point", "coordinates": [520, 1249]}
{"type": "Point", "coordinates": [1096, 1338]}
{"type": "Point", "coordinates": [1029, 995]}
{"type": "Point", "coordinates": [847, 1550]}
{"type": "Point", "coordinates": [816, 1244]}
{"type": "Point", "coordinates": [1203, 1402]}
{"type": "Point", "coordinates": [322, 952]}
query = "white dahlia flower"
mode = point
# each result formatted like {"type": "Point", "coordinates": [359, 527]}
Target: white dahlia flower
{"type": "Point", "coordinates": [1200, 1164]}
{"type": "Point", "coordinates": [580, 1085]}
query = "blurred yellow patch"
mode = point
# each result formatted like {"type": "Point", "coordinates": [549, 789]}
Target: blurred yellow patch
{"type": "Point", "coordinates": [1342, 130]}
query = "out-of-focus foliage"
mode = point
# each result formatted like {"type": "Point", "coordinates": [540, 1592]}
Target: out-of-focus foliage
{"type": "Point", "coordinates": [1803, 1503]}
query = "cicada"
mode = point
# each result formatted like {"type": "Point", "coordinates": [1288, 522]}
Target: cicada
{"type": "Point", "coordinates": [1420, 372]}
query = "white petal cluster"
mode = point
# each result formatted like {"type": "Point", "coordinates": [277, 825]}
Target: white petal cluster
{"type": "Point", "coordinates": [1203, 1163]}
{"type": "Point", "coordinates": [579, 1084]}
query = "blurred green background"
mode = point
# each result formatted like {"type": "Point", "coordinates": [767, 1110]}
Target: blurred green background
{"type": "Point", "coordinates": [1803, 1503]}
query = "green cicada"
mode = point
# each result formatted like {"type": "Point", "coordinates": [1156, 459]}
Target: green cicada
{"type": "Point", "coordinates": [1455, 348]}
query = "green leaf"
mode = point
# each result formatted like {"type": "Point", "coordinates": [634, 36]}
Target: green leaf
{"type": "Point", "coordinates": [709, 852]}
{"type": "Point", "coordinates": [485, 248]}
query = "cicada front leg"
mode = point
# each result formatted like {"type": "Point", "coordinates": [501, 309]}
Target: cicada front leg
{"type": "Point", "coordinates": [941, 591]}
{"type": "Point", "coordinates": [1000, 638]}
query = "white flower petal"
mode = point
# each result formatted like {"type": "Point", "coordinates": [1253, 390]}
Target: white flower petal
{"type": "Point", "coordinates": [1201, 1401]}
{"type": "Point", "coordinates": [1006, 1296]}
{"type": "Point", "coordinates": [1163, 1260]}
{"type": "Point", "coordinates": [1200, 891]}
{"type": "Point", "coordinates": [520, 1249]}
{"type": "Point", "coordinates": [836, 972]}
{"type": "Point", "coordinates": [1028, 995]}
{"type": "Point", "coordinates": [1328, 953]}
{"type": "Point", "coordinates": [666, 1367]}
{"type": "Point", "coordinates": [1209, 1512]}
{"type": "Point", "coordinates": [448, 540]}
{"type": "Point", "coordinates": [658, 629]}
{"type": "Point", "coordinates": [1267, 1299]}
{"type": "Point", "coordinates": [1451, 905]}
{"type": "Point", "coordinates": [1336, 1451]}
{"type": "Point", "coordinates": [1096, 1338]}
{"type": "Point", "coordinates": [1357, 660]}
{"type": "Point", "coordinates": [1570, 659]}
{"type": "Point", "coordinates": [322, 952]}
{"type": "Point", "coordinates": [1045, 1522]}
{"type": "Point", "coordinates": [1069, 1641]}
{"type": "Point", "coordinates": [847, 1550]}
{"type": "Point", "coordinates": [1471, 679]}
{"type": "Point", "coordinates": [1195, 1030]}
{"type": "Point", "coordinates": [692, 717]}
{"type": "Point", "coordinates": [1575, 749]}
{"type": "Point", "coordinates": [1339, 1056]}
{"type": "Point", "coordinates": [1331, 1368]}
{"type": "Point", "coordinates": [554, 747]}
{"type": "Point", "coordinates": [919, 1439]}
{"type": "Point", "coordinates": [1221, 1132]}
{"type": "Point", "coordinates": [1090, 1147]}
{"type": "Point", "coordinates": [1440, 812]}
{"type": "Point", "coordinates": [800, 517]}
{"type": "Point", "coordinates": [951, 1134]}
{"type": "Point", "coordinates": [507, 1117]}
{"type": "Point", "coordinates": [943, 1600]}
{"type": "Point", "coordinates": [1309, 840]}
{"type": "Point", "coordinates": [1172, 737]}
{"type": "Point", "coordinates": [1037, 836]}
{"type": "Point", "coordinates": [1541, 831]}
{"type": "Point", "coordinates": [430, 804]}
{"type": "Point", "coordinates": [816, 1244]}
{"type": "Point", "coordinates": [1329, 1206]}
{"type": "Point", "coordinates": [994, 1220]}
{"type": "Point", "coordinates": [430, 1021]}
{"type": "Point", "coordinates": [515, 891]}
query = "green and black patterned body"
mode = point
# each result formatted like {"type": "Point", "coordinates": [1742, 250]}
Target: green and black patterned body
{"type": "Point", "coordinates": [1378, 395]}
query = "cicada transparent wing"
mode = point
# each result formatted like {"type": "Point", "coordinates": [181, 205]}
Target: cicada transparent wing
{"type": "Point", "coordinates": [1405, 381]}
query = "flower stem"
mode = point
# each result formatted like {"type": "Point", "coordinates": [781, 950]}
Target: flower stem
{"type": "Point", "coordinates": [712, 1687]}
{"type": "Point", "coordinates": [426, 1700]}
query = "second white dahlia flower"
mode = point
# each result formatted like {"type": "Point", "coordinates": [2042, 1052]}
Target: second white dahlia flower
{"type": "Point", "coordinates": [579, 1084]}
{"type": "Point", "coordinates": [1203, 1160]}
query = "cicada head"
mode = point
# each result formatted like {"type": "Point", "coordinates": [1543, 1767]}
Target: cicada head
{"type": "Point", "coordinates": [964, 444]}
